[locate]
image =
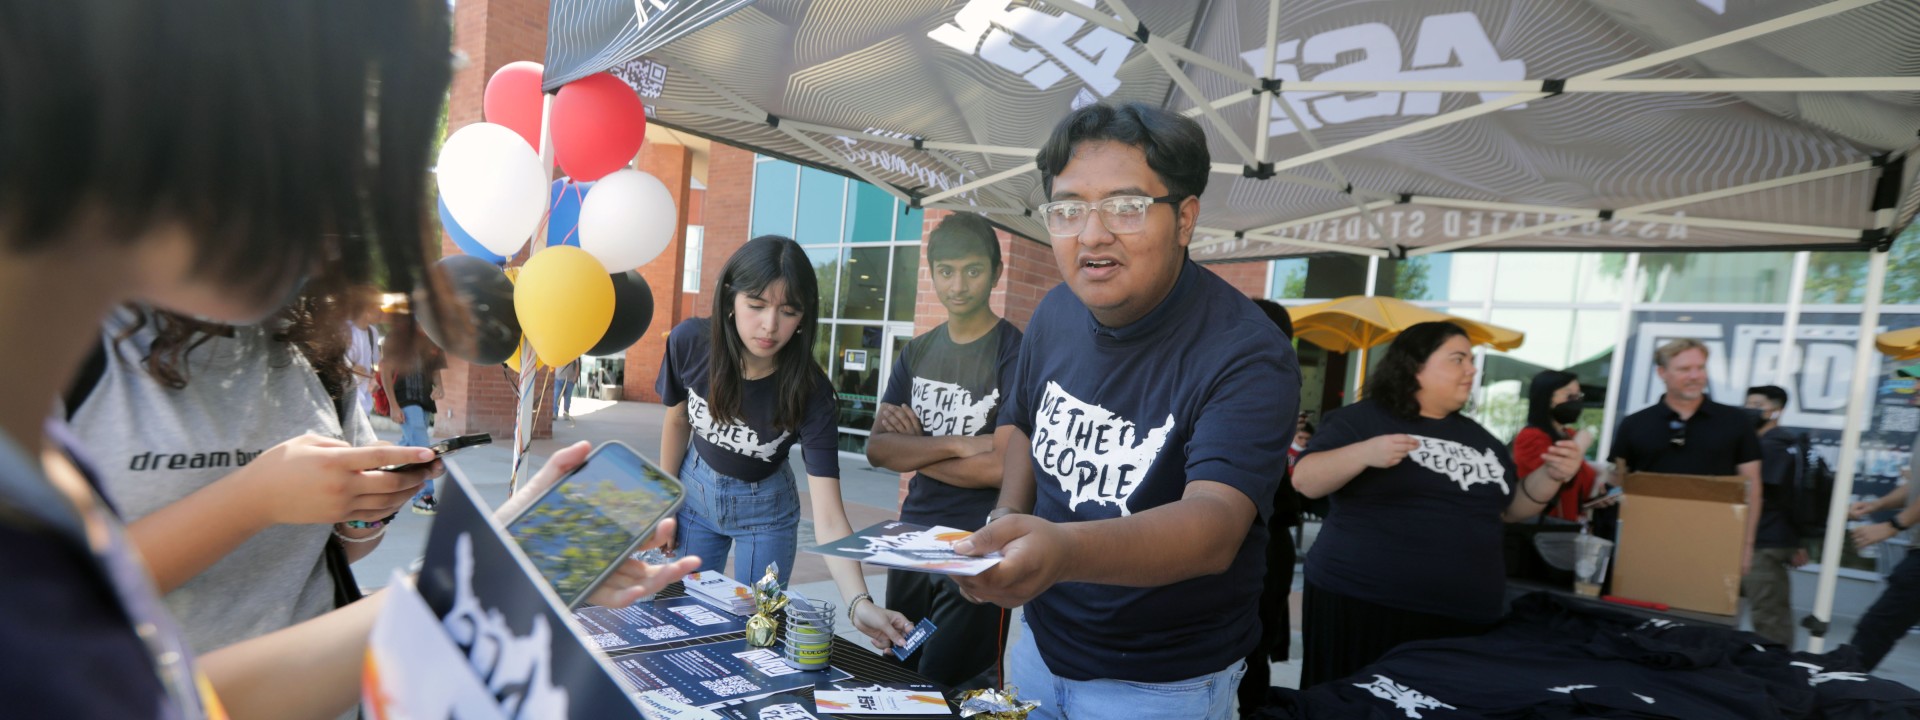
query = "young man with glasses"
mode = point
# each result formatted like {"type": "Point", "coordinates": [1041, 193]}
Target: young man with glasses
{"type": "Point", "coordinates": [1687, 433]}
{"type": "Point", "coordinates": [1149, 414]}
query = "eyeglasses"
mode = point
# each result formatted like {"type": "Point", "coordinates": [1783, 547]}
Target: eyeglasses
{"type": "Point", "coordinates": [1121, 214]}
{"type": "Point", "coordinates": [1679, 429]}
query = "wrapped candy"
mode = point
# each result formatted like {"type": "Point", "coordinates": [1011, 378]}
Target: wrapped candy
{"type": "Point", "coordinates": [768, 599]}
{"type": "Point", "coordinates": [993, 704]}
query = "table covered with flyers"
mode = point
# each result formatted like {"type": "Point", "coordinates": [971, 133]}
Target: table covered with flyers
{"type": "Point", "coordinates": [1554, 658]}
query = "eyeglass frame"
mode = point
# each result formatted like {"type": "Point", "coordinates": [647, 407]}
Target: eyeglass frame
{"type": "Point", "coordinates": [1170, 198]}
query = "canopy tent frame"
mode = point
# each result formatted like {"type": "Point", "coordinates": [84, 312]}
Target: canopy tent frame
{"type": "Point", "coordinates": [1257, 163]}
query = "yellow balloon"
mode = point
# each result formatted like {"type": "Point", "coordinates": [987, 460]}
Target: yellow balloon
{"type": "Point", "coordinates": [564, 298]}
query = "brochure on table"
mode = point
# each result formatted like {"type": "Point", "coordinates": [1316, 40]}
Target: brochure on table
{"type": "Point", "coordinates": [718, 673]}
{"type": "Point", "coordinates": [497, 619]}
{"type": "Point", "coordinates": [846, 698]}
{"type": "Point", "coordinates": [908, 546]}
{"type": "Point", "coordinates": [647, 624]}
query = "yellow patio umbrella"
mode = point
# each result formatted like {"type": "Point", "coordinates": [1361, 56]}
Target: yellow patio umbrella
{"type": "Point", "coordinates": [1900, 345]}
{"type": "Point", "coordinates": [1360, 322]}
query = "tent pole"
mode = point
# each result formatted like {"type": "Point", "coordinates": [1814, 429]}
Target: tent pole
{"type": "Point", "coordinates": [1617, 369]}
{"type": "Point", "coordinates": [1263, 118]}
{"type": "Point", "coordinates": [1790, 330]}
{"type": "Point", "coordinates": [1866, 363]}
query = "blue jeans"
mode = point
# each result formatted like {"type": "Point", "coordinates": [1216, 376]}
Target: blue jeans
{"type": "Point", "coordinates": [563, 396]}
{"type": "Point", "coordinates": [413, 433]}
{"type": "Point", "coordinates": [1208, 697]}
{"type": "Point", "coordinates": [762, 517]}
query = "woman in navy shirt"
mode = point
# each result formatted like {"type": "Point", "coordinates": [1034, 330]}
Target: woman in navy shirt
{"type": "Point", "coordinates": [741, 388]}
{"type": "Point", "coordinates": [1411, 549]}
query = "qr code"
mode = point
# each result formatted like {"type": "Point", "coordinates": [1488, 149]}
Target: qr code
{"type": "Point", "coordinates": [607, 640]}
{"type": "Point", "coordinates": [662, 632]}
{"type": "Point", "coordinates": [730, 686]}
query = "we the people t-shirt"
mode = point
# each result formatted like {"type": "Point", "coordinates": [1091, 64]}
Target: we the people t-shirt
{"type": "Point", "coordinates": [1422, 535]}
{"type": "Point", "coordinates": [1120, 421]}
{"type": "Point", "coordinates": [753, 448]}
{"type": "Point", "coordinates": [954, 389]}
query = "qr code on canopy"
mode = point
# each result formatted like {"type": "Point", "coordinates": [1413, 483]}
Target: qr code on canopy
{"type": "Point", "coordinates": [607, 640]}
{"type": "Point", "coordinates": [730, 686]}
{"type": "Point", "coordinates": [662, 632]}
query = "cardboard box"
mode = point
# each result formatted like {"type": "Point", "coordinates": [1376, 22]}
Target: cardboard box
{"type": "Point", "coordinates": [1681, 537]}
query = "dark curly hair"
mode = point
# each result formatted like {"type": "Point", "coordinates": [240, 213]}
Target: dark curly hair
{"type": "Point", "coordinates": [1395, 383]}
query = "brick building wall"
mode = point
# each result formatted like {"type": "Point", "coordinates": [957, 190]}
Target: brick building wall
{"type": "Point", "coordinates": [728, 208]}
{"type": "Point", "coordinates": [1250, 278]}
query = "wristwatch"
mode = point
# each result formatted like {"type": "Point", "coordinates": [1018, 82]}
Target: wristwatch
{"type": "Point", "coordinates": [1895, 522]}
{"type": "Point", "coordinates": [997, 513]}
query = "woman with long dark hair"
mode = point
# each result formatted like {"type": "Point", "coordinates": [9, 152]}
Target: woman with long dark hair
{"type": "Point", "coordinates": [1412, 547]}
{"type": "Point", "coordinates": [741, 389]}
{"type": "Point", "coordinates": [1554, 403]}
{"type": "Point", "coordinates": [200, 158]}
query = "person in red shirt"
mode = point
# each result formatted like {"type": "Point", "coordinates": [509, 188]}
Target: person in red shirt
{"type": "Point", "coordinates": [1554, 403]}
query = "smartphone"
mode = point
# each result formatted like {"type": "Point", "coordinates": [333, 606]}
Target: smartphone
{"type": "Point", "coordinates": [1614, 493]}
{"type": "Point", "coordinates": [594, 518]}
{"type": "Point", "coordinates": [444, 448]}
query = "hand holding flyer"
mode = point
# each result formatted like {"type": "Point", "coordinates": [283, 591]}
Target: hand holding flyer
{"type": "Point", "coordinates": [910, 547]}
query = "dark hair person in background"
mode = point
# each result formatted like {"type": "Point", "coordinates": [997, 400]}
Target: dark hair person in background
{"type": "Point", "coordinates": [1554, 403]}
{"type": "Point", "coordinates": [1276, 622]}
{"type": "Point", "coordinates": [1412, 548]}
{"type": "Point", "coordinates": [1768, 585]}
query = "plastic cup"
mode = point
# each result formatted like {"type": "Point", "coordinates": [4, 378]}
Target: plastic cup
{"type": "Point", "coordinates": [1590, 558]}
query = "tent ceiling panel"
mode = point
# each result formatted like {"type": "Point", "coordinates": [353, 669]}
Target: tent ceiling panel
{"type": "Point", "coordinates": [863, 88]}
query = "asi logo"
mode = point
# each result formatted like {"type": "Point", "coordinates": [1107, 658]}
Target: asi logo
{"type": "Point", "coordinates": [1041, 48]}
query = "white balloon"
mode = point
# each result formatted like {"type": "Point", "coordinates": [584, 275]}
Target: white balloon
{"type": "Point", "coordinates": [627, 220]}
{"type": "Point", "coordinates": [494, 185]}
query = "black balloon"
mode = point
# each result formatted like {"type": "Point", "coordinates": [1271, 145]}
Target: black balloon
{"type": "Point", "coordinates": [482, 299]}
{"type": "Point", "coordinates": [632, 313]}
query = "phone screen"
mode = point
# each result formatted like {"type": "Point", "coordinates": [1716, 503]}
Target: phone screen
{"type": "Point", "coordinates": [592, 519]}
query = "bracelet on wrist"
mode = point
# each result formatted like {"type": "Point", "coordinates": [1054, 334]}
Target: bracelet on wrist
{"type": "Point", "coordinates": [357, 540]}
{"type": "Point", "coordinates": [855, 605]}
{"type": "Point", "coordinates": [1895, 523]}
{"type": "Point", "coordinates": [369, 525]}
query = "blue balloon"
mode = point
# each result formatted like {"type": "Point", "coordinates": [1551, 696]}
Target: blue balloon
{"type": "Point", "coordinates": [563, 221]}
{"type": "Point", "coordinates": [460, 237]}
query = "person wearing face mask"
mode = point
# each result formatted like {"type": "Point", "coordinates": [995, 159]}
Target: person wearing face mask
{"type": "Point", "coordinates": [1776, 544]}
{"type": "Point", "coordinates": [1301, 436]}
{"type": "Point", "coordinates": [1554, 403]}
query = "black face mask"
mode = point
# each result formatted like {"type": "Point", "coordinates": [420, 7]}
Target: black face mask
{"type": "Point", "coordinates": [1568, 413]}
{"type": "Point", "coordinates": [1759, 416]}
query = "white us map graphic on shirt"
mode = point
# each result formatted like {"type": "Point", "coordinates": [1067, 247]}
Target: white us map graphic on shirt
{"type": "Point", "coordinates": [1095, 455]}
{"type": "Point", "coordinates": [948, 409]}
{"type": "Point", "coordinates": [1464, 465]}
{"type": "Point", "coordinates": [1403, 698]}
{"type": "Point", "coordinates": [734, 437]}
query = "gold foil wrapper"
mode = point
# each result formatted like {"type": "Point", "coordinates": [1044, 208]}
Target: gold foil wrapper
{"type": "Point", "coordinates": [768, 599]}
{"type": "Point", "coordinates": [995, 704]}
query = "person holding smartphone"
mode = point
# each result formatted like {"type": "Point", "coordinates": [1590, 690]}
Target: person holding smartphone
{"type": "Point", "coordinates": [741, 389]}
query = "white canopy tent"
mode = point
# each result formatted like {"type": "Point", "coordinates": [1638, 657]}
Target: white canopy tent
{"type": "Point", "coordinates": [1337, 127]}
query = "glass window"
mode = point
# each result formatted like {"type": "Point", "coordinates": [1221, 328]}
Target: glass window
{"type": "Point", "coordinates": [908, 225]}
{"type": "Point", "coordinates": [855, 369]}
{"type": "Point", "coordinates": [1716, 277]}
{"type": "Point", "coordinates": [863, 284]}
{"type": "Point", "coordinates": [696, 247]}
{"type": "Point", "coordinates": [1602, 277]}
{"type": "Point", "coordinates": [822, 199]}
{"type": "Point", "coordinates": [826, 273]}
{"type": "Point", "coordinates": [773, 185]}
{"type": "Point", "coordinates": [1426, 277]}
{"type": "Point", "coordinates": [823, 346]}
{"type": "Point", "coordinates": [1903, 269]}
{"type": "Point", "coordinates": [869, 214]}
{"type": "Point", "coordinates": [904, 283]}
{"type": "Point", "coordinates": [1288, 279]}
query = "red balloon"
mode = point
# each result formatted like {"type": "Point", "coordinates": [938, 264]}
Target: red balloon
{"type": "Point", "coordinates": [598, 125]}
{"type": "Point", "coordinates": [513, 99]}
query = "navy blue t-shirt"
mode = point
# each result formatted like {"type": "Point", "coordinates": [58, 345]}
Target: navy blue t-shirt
{"type": "Point", "coordinates": [752, 449]}
{"type": "Point", "coordinates": [1204, 387]}
{"type": "Point", "coordinates": [1423, 535]}
{"type": "Point", "coordinates": [955, 390]}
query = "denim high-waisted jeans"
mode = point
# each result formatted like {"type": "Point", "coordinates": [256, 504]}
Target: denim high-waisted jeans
{"type": "Point", "coordinates": [762, 517]}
